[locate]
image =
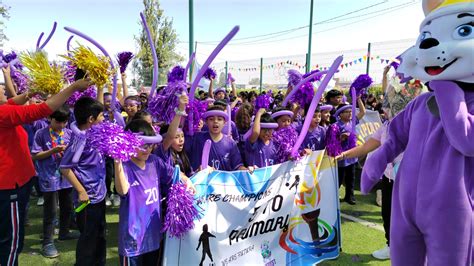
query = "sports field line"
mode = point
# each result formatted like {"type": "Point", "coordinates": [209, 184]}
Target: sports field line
{"type": "Point", "coordinates": [362, 222]}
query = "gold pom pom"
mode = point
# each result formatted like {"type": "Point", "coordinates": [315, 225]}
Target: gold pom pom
{"type": "Point", "coordinates": [43, 77]}
{"type": "Point", "coordinates": [97, 67]}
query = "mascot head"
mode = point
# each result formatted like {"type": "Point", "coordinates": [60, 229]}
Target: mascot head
{"type": "Point", "coordinates": [445, 47]}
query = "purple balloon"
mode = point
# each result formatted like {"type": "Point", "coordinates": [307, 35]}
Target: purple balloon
{"type": "Point", "coordinates": [78, 145]}
{"type": "Point", "coordinates": [314, 103]}
{"type": "Point", "coordinates": [80, 34]}
{"type": "Point", "coordinates": [354, 103]}
{"type": "Point", "coordinates": [155, 57]}
{"type": "Point", "coordinates": [248, 133]}
{"type": "Point", "coordinates": [151, 139]}
{"type": "Point", "coordinates": [229, 123]}
{"type": "Point", "coordinates": [68, 46]}
{"type": "Point", "coordinates": [211, 57]}
{"type": "Point", "coordinates": [119, 118]}
{"type": "Point", "coordinates": [205, 154]}
{"type": "Point", "coordinates": [204, 67]}
{"type": "Point", "coordinates": [49, 36]}
{"type": "Point", "coordinates": [39, 41]}
{"type": "Point", "coordinates": [188, 66]}
{"type": "Point", "coordinates": [303, 81]}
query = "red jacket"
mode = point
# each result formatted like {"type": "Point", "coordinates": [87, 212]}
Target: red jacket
{"type": "Point", "coordinates": [16, 166]}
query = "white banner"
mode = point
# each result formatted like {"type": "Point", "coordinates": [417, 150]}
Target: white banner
{"type": "Point", "coordinates": [286, 214]}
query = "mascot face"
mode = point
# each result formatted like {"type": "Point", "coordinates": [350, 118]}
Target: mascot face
{"type": "Point", "coordinates": [445, 47]}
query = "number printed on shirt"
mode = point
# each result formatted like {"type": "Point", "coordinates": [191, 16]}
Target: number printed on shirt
{"type": "Point", "coordinates": [152, 195]}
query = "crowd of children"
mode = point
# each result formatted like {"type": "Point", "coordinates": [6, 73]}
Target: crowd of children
{"type": "Point", "coordinates": [244, 140]}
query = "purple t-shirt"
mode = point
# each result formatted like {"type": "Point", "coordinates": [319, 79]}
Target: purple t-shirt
{"type": "Point", "coordinates": [140, 216]}
{"type": "Point", "coordinates": [167, 157]}
{"type": "Point", "coordinates": [50, 179]}
{"type": "Point", "coordinates": [343, 128]}
{"type": "Point", "coordinates": [314, 140]}
{"type": "Point", "coordinates": [260, 154]}
{"type": "Point", "coordinates": [89, 170]}
{"type": "Point", "coordinates": [224, 154]}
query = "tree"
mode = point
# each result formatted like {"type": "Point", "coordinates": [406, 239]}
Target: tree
{"type": "Point", "coordinates": [222, 80]}
{"type": "Point", "coordinates": [4, 15]}
{"type": "Point", "coordinates": [165, 40]}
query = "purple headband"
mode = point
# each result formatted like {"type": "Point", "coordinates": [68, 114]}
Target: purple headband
{"type": "Point", "coordinates": [326, 107]}
{"type": "Point", "coordinates": [216, 113]}
{"type": "Point", "coordinates": [219, 90]}
{"type": "Point", "coordinates": [151, 139]}
{"type": "Point", "coordinates": [267, 125]}
{"type": "Point", "coordinates": [132, 102]}
{"type": "Point", "coordinates": [282, 113]}
{"type": "Point", "coordinates": [342, 109]}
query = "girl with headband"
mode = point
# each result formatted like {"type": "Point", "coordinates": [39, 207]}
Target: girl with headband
{"type": "Point", "coordinates": [138, 182]}
{"type": "Point", "coordinates": [259, 148]}
{"type": "Point", "coordinates": [131, 105]}
{"type": "Point", "coordinates": [283, 117]}
{"type": "Point", "coordinates": [347, 138]}
{"type": "Point", "coordinates": [224, 154]}
{"type": "Point", "coordinates": [326, 115]}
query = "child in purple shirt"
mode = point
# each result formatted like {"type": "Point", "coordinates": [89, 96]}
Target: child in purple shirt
{"type": "Point", "coordinates": [259, 148]}
{"type": "Point", "coordinates": [224, 154]}
{"type": "Point", "coordinates": [48, 148]}
{"type": "Point", "coordinates": [138, 182]}
{"type": "Point", "coordinates": [87, 176]}
{"type": "Point", "coordinates": [316, 137]}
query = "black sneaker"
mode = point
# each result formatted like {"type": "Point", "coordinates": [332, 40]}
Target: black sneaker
{"type": "Point", "coordinates": [350, 201]}
{"type": "Point", "coordinates": [49, 251]}
{"type": "Point", "coordinates": [69, 236]}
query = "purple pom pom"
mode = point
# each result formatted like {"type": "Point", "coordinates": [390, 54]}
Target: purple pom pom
{"type": "Point", "coordinates": [263, 101]}
{"type": "Point", "coordinates": [111, 140]}
{"type": "Point", "coordinates": [360, 84]}
{"type": "Point", "coordinates": [333, 144]}
{"type": "Point", "coordinates": [69, 71]}
{"type": "Point", "coordinates": [318, 78]}
{"type": "Point", "coordinates": [89, 92]}
{"type": "Point", "coordinates": [20, 79]}
{"type": "Point", "coordinates": [162, 105]}
{"type": "Point", "coordinates": [395, 65]}
{"type": "Point", "coordinates": [294, 77]}
{"type": "Point", "coordinates": [123, 59]}
{"type": "Point", "coordinates": [181, 212]}
{"type": "Point", "coordinates": [230, 78]}
{"type": "Point", "coordinates": [197, 108]}
{"type": "Point", "coordinates": [12, 56]}
{"type": "Point", "coordinates": [210, 74]}
{"type": "Point", "coordinates": [304, 95]}
{"type": "Point", "coordinates": [284, 139]}
{"type": "Point", "coordinates": [176, 74]}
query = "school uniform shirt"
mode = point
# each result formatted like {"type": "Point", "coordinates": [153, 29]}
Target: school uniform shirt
{"type": "Point", "coordinates": [224, 154]}
{"type": "Point", "coordinates": [167, 157]}
{"type": "Point", "coordinates": [315, 139]}
{"type": "Point", "coordinates": [50, 179]}
{"type": "Point", "coordinates": [259, 153]}
{"type": "Point", "coordinates": [32, 128]}
{"type": "Point", "coordinates": [346, 128]}
{"type": "Point", "coordinates": [89, 170]}
{"type": "Point", "coordinates": [140, 222]}
{"type": "Point", "coordinates": [14, 148]}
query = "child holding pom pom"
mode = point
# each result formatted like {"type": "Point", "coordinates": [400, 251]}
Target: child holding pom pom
{"type": "Point", "coordinates": [138, 183]}
{"type": "Point", "coordinates": [87, 175]}
{"type": "Point", "coordinates": [259, 148]}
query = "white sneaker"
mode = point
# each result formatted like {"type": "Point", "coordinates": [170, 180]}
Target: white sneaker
{"type": "Point", "coordinates": [116, 200]}
{"type": "Point", "coordinates": [107, 201]}
{"type": "Point", "coordinates": [378, 199]}
{"type": "Point", "coordinates": [40, 201]}
{"type": "Point", "coordinates": [382, 254]}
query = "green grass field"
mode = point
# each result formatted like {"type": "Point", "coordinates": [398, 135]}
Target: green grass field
{"type": "Point", "coordinates": [358, 241]}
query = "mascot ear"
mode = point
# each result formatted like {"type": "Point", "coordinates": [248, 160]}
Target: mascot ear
{"type": "Point", "coordinates": [430, 5]}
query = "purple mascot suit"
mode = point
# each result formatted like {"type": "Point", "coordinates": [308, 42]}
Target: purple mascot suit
{"type": "Point", "coordinates": [432, 215]}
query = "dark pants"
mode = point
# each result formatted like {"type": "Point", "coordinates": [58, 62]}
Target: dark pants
{"type": "Point", "coordinates": [12, 223]}
{"type": "Point", "coordinates": [35, 181]}
{"type": "Point", "coordinates": [91, 249]}
{"type": "Point", "coordinates": [387, 188]}
{"type": "Point", "coordinates": [109, 174]}
{"type": "Point", "coordinates": [150, 258]}
{"type": "Point", "coordinates": [49, 213]}
{"type": "Point", "coordinates": [347, 175]}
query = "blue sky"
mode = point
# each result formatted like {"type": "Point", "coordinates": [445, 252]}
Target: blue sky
{"type": "Point", "coordinates": [114, 23]}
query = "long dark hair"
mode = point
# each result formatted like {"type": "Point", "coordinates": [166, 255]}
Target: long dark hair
{"type": "Point", "coordinates": [184, 163]}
